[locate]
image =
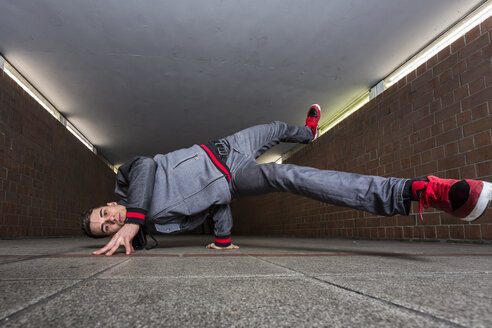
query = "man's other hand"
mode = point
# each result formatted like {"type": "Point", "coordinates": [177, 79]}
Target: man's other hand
{"type": "Point", "coordinates": [213, 246]}
{"type": "Point", "coordinates": [123, 237]}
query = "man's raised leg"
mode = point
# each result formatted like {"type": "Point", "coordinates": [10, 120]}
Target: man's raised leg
{"type": "Point", "coordinates": [256, 140]}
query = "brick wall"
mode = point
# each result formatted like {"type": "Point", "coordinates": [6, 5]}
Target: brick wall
{"type": "Point", "coordinates": [437, 120]}
{"type": "Point", "coordinates": [47, 177]}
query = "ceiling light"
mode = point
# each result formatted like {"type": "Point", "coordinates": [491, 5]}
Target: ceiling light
{"type": "Point", "coordinates": [345, 112]}
{"type": "Point", "coordinates": [457, 31]}
{"type": "Point", "coordinates": [36, 95]}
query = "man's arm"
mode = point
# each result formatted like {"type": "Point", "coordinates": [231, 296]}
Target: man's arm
{"type": "Point", "coordinates": [135, 184]}
{"type": "Point", "coordinates": [222, 217]}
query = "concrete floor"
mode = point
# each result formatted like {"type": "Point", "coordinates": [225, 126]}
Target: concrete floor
{"type": "Point", "coordinates": [268, 282]}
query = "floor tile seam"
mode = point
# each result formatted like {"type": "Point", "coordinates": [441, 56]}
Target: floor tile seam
{"type": "Point", "coordinates": [50, 297]}
{"type": "Point", "coordinates": [196, 277]}
{"type": "Point", "coordinates": [27, 257]}
{"type": "Point", "coordinates": [425, 273]}
{"type": "Point", "coordinates": [197, 255]}
{"type": "Point", "coordinates": [368, 274]}
{"type": "Point", "coordinates": [41, 279]}
{"type": "Point", "coordinates": [375, 298]}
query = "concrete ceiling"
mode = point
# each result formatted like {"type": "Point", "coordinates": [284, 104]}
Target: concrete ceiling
{"type": "Point", "coordinates": [149, 76]}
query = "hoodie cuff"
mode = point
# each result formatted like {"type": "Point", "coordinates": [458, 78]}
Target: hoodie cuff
{"type": "Point", "coordinates": [223, 241]}
{"type": "Point", "coordinates": [135, 216]}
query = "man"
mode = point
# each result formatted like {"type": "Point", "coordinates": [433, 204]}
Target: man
{"type": "Point", "coordinates": [179, 190]}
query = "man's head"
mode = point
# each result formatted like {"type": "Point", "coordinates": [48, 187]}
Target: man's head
{"type": "Point", "coordinates": [103, 221]}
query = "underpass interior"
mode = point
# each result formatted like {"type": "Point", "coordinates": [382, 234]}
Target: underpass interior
{"type": "Point", "coordinates": [151, 78]}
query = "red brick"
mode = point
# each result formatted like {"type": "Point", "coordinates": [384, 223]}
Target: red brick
{"type": "Point", "coordinates": [484, 169]}
{"type": "Point", "coordinates": [478, 126]}
{"type": "Point", "coordinates": [445, 76]}
{"type": "Point", "coordinates": [486, 218]}
{"type": "Point", "coordinates": [407, 232]}
{"type": "Point", "coordinates": [430, 219]}
{"type": "Point", "coordinates": [398, 233]}
{"type": "Point", "coordinates": [447, 100]}
{"type": "Point", "coordinates": [443, 65]}
{"type": "Point", "coordinates": [457, 232]}
{"type": "Point", "coordinates": [479, 155]}
{"type": "Point", "coordinates": [479, 111]}
{"type": "Point", "coordinates": [473, 232]}
{"type": "Point", "coordinates": [477, 59]}
{"type": "Point", "coordinates": [482, 139]}
{"type": "Point", "coordinates": [430, 232]}
{"type": "Point", "coordinates": [447, 87]}
{"type": "Point", "coordinates": [447, 112]}
{"type": "Point", "coordinates": [418, 232]}
{"type": "Point", "coordinates": [405, 221]}
{"type": "Point", "coordinates": [487, 232]}
{"type": "Point", "coordinates": [451, 162]}
{"type": "Point", "coordinates": [451, 149]}
{"type": "Point", "coordinates": [452, 174]}
{"type": "Point", "coordinates": [472, 34]}
{"type": "Point", "coordinates": [459, 68]}
{"type": "Point", "coordinates": [431, 62]}
{"type": "Point", "coordinates": [452, 135]}
{"type": "Point", "coordinates": [461, 93]}
{"type": "Point", "coordinates": [463, 118]}
{"type": "Point", "coordinates": [486, 25]}
{"type": "Point", "coordinates": [458, 44]}
{"type": "Point", "coordinates": [426, 169]}
{"type": "Point", "coordinates": [468, 172]}
{"type": "Point", "coordinates": [442, 232]}
{"type": "Point", "coordinates": [474, 46]}
{"type": "Point", "coordinates": [476, 72]}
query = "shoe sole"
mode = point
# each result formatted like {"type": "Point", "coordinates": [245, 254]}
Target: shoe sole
{"type": "Point", "coordinates": [317, 130]}
{"type": "Point", "coordinates": [482, 203]}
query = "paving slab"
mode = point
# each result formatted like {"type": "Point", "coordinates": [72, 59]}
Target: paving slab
{"type": "Point", "coordinates": [191, 267]}
{"type": "Point", "coordinates": [56, 268]}
{"type": "Point", "coordinates": [463, 298]}
{"type": "Point", "coordinates": [404, 265]}
{"type": "Point", "coordinates": [267, 282]}
{"type": "Point", "coordinates": [17, 295]}
{"type": "Point", "coordinates": [237, 302]}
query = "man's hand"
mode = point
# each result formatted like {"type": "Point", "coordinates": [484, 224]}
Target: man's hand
{"type": "Point", "coordinates": [213, 246]}
{"type": "Point", "coordinates": [123, 237]}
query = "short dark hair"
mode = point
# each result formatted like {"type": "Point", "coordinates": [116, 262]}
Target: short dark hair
{"type": "Point", "coordinates": [85, 223]}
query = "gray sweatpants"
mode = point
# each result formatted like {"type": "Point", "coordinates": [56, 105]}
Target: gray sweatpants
{"type": "Point", "coordinates": [382, 196]}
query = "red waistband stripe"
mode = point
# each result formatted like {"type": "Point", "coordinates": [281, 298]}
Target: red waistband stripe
{"type": "Point", "coordinates": [216, 162]}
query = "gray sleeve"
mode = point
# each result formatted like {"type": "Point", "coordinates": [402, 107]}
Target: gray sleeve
{"type": "Point", "coordinates": [135, 183]}
{"type": "Point", "coordinates": [222, 217]}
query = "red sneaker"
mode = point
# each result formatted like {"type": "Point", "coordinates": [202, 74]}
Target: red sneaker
{"type": "Point", "coordinates": [465, 199]}
{"type": "Point", "coordinates": [312, 119]}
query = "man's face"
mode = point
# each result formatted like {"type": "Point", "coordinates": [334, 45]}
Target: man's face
{"type": "Point", "coordinates": [107, 220]}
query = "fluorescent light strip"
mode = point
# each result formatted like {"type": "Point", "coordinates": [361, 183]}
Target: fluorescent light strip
{"type": "Point", "coordinates": [26, 89]}
{"type": "Point", "coordinates": [347, 111]}
{"type": "Point", "coordinates": [30, 90]}
{"type": "Point", "coordinates": [79, 136]}
{"type": "Point", "coordinates": [457, 31]}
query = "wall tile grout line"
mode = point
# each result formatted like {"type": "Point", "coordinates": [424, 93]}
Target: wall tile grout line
{"type": "Point", "coordinates": [44, 300]}
{"type": "Point", "coordinates": [380, 300]}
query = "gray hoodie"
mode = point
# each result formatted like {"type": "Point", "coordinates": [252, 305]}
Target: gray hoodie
{"type": "Point", "coordinates": [175, 192]}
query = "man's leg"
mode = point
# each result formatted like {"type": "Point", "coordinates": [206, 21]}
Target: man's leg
{"type": "Point", "coordinates": [382, 196]}
{"type": "Point", "coordinates": [465, 199]}
{"type": "Point", "coordinates": [255, 140]}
